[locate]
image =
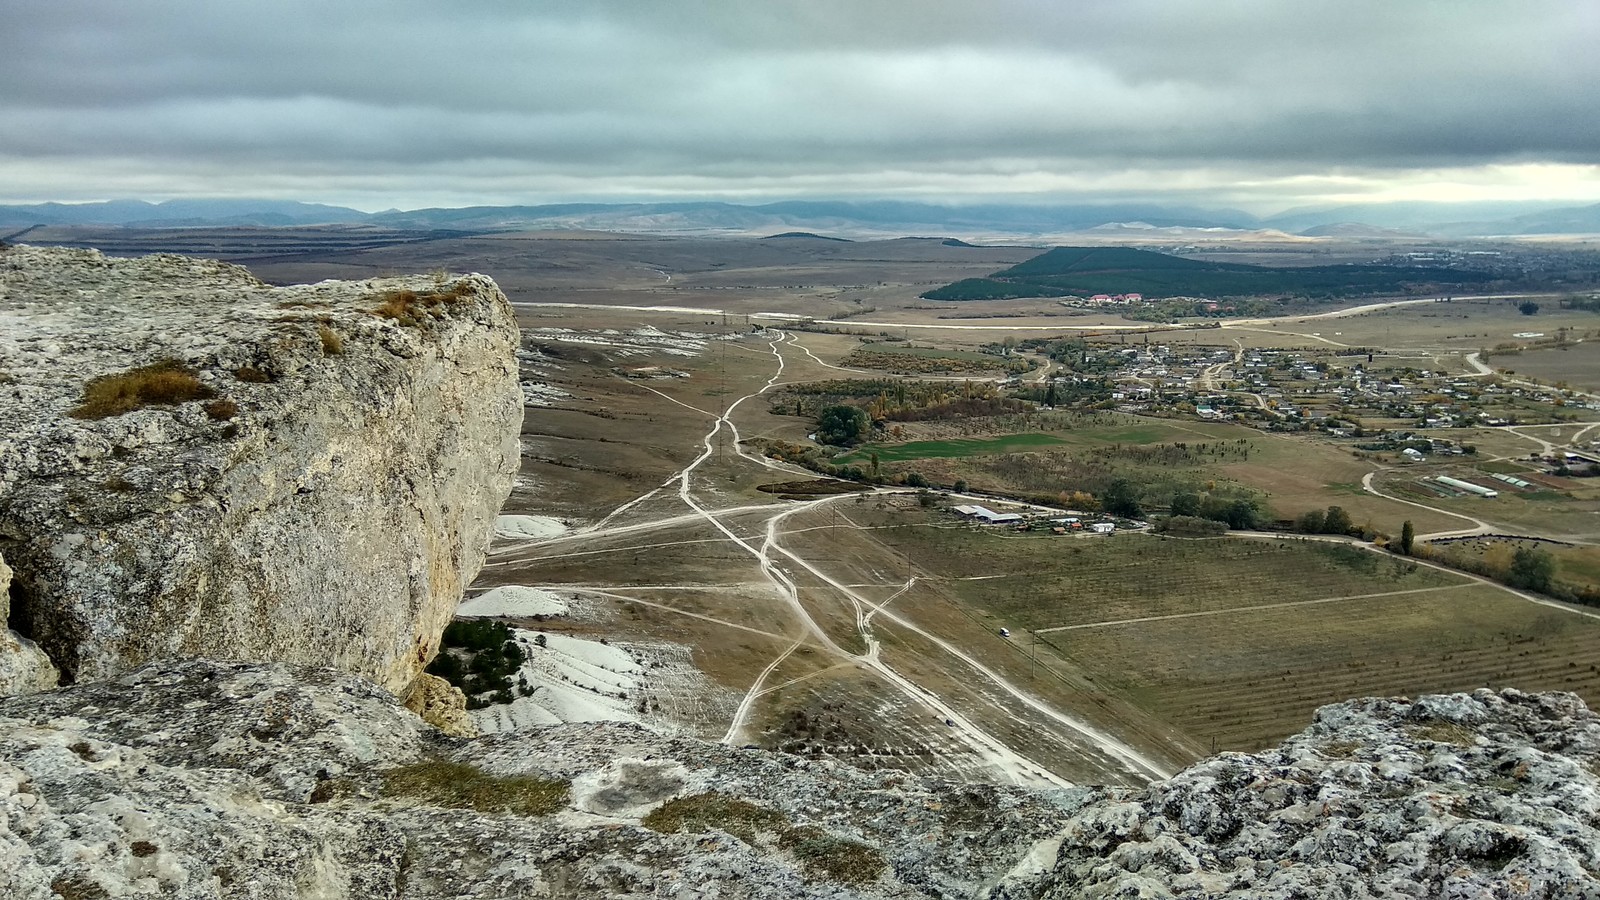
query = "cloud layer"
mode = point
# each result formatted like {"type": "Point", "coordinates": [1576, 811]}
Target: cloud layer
{"type": "Point", "coordinates": [402, 102]}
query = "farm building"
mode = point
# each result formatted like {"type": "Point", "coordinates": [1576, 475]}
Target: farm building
{"type": "Point", "coordinates": [988, 516]}
{"type": "Point", "coordinates": [1103, 527]}
{"type": "Point", "coordinates": [1467, 486]}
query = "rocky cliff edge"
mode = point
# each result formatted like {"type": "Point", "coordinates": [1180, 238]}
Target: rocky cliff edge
{"type": "Point", "coordinates": [217, 780]}
{"type": "Point", "coordinates": [199, 464]}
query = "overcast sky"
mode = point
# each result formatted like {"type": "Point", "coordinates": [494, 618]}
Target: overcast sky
{"type": "Point", "coordinates": [405, 103]}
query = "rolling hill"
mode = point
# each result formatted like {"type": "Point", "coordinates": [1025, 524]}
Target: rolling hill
{"type": "Point", "coordinates": [1085, 271]}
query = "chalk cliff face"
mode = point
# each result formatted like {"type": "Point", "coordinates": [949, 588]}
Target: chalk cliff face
{"type": "Point", "coordinates": [318, 491]}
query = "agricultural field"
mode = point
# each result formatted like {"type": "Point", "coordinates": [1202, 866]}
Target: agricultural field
{"type": "Point", "coordinates": [1577, 364]}
{"type": "Point", "coordinates": [1563, 509]}
{"type": "Point", "coordinates": [1051, 453]}
{"type": "Point", "coordinates": [1237, 641]}
{"type": "Point", "coordinates": [1244, 685]}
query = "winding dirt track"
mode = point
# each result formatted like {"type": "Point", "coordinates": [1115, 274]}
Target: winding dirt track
{"type": "Point", "coordinates": [778, 566]}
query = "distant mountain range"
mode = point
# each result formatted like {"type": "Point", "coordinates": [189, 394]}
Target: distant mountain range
{"type": "Point", "coordinates": [179, 213]}
{"type": "Point", "coordinates": [868, 218]}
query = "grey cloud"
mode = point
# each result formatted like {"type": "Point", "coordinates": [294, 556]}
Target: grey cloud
{"type": "Point", "coordinates": [828, 89]}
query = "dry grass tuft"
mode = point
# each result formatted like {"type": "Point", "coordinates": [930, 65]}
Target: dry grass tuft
{"type": "Point", "coordinates": [221, 410]}
{"type": "Point", "coordinates": [77, 887]}
{"type": "Point", "coordinates": [163, 383]}
{"type": "Point", "coordinates": [1444, 733]}
{"type": "Point", "coordinates": [411, 308]}
{"type": "Point", "coordinates": [332, 342]}
{"type": "Point", "coordinates": [820, 853]}
{"type": "Point", "coordinates": [459, 786]}
{"type": "Point", "coordinates": [252, 375]}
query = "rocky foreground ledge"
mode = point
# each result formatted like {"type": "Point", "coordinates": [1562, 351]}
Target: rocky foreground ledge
{"type": "Point", "coordinates": [195, 463]}
{"type": "Point", "coordinates": [199, 779]}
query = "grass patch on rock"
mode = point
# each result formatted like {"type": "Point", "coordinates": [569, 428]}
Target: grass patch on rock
{"type": "Point", "coordinates": [163, 383]}
{"type": "Point", "coordinates": [819, 853]}
{"type": "Point", "coordinates": [826, 855]}
{"type": "Point", "coordinates": [704, 812]}
{"type": "Point", "coordinates": [411, 308]}
{"type": "Point", "coordinates": [1444, 733]}
{"type": "Point", "coordinates": [332, 341]}
{"type": "Point", "coordinates": [221, 410]}
{"type": "Point", "coordinates": [460, 786]}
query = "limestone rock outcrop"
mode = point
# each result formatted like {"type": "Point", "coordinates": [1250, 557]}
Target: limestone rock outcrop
{"type": "Point", "coordinates": [440, 704]}
{"type": "Point", "coordinates": [198, 779]}
{"type": "Point", "coordinates": [219, 780]}
{"type": "Point", "coordinates": [1492, 794]}
{"type": "Point", "coordinates": [307, 473]}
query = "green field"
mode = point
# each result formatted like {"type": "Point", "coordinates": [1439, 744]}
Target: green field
{"type": "Point", "coordinates": [1011, 443]}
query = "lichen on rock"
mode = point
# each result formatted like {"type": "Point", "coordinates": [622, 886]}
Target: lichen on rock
{"type": "Point", "coordinates": [305, 505]}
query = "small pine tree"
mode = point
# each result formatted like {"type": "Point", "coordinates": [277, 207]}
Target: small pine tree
{"type": "Point", "coordinates": [1408, 537]}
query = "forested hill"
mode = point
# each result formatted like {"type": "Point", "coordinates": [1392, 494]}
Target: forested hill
{"type": "Point", "coordinates": [1085, 271]}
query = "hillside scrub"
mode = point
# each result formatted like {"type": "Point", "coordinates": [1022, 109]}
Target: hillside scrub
{"type": "Point", "coordinates": [895, 400]}
{"type": "Point", "coordinates": [411, 308]}
{"type": "Point", "coordinates": [480, 657]}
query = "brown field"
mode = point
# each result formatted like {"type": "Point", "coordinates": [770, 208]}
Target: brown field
{"type": "Point", "coordinates": [1575, 364]}
{"type": "Point", "coordinates": [1256, 634]}
{"type": "Point", "coordinates": [1246, 684]}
